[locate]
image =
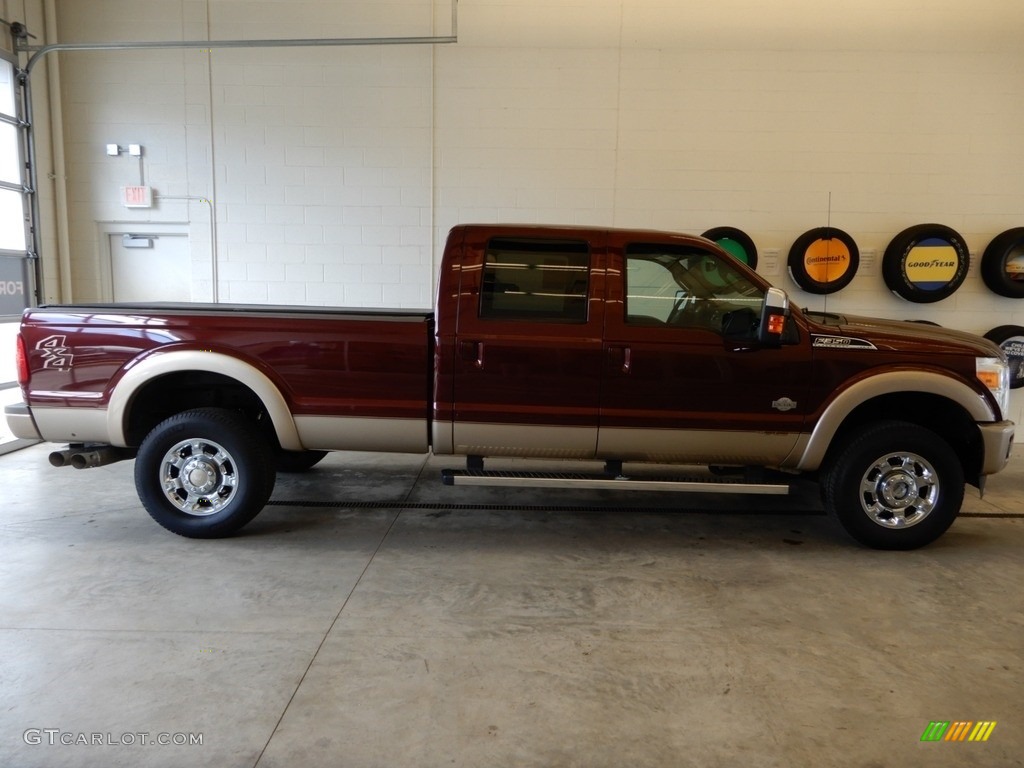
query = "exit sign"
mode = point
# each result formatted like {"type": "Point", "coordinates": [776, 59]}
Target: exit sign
{"type": "Point", "coordinates": [137, 197]}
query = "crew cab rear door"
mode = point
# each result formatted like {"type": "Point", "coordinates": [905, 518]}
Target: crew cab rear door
{"type": "Point", "coordinates": [528, 351]}
{"type": "Point", "coordinates": [684, 376]}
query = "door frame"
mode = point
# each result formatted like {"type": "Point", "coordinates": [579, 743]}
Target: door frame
{"type": "Point", "coordinates": [154, 229]}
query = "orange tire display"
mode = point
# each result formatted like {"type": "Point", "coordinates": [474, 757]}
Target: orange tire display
{"type": "Point", "coordinates": [823, 260]}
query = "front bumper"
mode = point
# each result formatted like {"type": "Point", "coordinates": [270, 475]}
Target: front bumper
{"type": "Point", "coordinates": [20, 422]}
{"type": "Point", "coordinates": [997, 439]}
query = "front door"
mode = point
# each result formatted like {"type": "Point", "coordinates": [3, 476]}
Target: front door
{"type": "Point", "coordinates": [528, 351]}
{"type": "Point", "coordinates": [684, 377]}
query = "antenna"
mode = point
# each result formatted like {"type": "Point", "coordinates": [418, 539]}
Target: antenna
{"type": "Point", "coordinates": [828, 248]}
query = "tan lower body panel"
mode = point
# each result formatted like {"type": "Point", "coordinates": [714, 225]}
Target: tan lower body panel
{"type": "Point", "coordinates": [343, 433]}
{"type": "Point", "coordinates": [681, 446]}
{"type": "Point", "coordinates": [669, 446]}
{"type": "Point", "coordinates": [524, 441]}
{"type": "Point", "coordinates": [72, 425]}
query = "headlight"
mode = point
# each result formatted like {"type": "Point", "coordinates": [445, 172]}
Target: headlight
{"type": "Point", "coordinates": [995, 374]}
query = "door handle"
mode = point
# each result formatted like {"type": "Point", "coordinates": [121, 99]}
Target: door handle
{"type": "Point", "coordinates": [622, 356]}
{"type": "Point", "coordinates": [473, 352]}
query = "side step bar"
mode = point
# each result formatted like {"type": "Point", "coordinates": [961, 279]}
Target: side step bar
{"type": "Point", "coordinates": [603, 482]}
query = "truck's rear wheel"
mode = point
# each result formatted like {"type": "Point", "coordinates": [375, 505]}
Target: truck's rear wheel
{"type": "Point", "coordinates": [204, 473]}
{"type": "Point", "coordinates": [894, 485]}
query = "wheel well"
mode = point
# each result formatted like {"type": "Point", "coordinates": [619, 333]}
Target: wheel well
{"type": "Point", "coordinates": [173, 393]}
{"type": "Point", "coordinates": [940, 415]}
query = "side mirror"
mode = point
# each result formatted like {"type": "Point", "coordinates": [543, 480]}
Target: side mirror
{"type": "Point", "coordinates": [774, 316]}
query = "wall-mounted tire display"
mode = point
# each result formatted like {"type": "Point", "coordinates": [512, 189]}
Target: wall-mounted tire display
{"type": "Point", "coordinates": [736, 243]}
{"type": "Point", "coordinates": [1010, 339]}
{"type": "Point", "coordinates": [925, 263]}
{"type": "Point", "coordinates": [1002, 264]}
{"type": "Point", "coordinates": [823, 260]}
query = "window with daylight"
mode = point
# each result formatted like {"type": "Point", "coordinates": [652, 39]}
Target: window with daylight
{"type": "Point", "coordinates": [688, 288]}
{"type": "Point", "coordinates": [12, 195]}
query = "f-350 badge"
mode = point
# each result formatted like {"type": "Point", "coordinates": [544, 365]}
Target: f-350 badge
{"type": "Point", "coordinates": [784, 404]}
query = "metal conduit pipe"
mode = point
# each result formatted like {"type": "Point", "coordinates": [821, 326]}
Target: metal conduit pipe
{"type": "Point", "coordinates": [38, 52]}
{"type": "Point", "coordinates": [59, 163]}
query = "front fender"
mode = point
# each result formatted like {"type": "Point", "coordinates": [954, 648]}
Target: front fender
{"type": "Point", "coordinates": [178, 361]}
{"type": "Point", "coordinates": [879, 385]}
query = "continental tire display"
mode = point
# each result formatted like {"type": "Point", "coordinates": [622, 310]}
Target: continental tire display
{"type": "Point", "coordinates": [925, 263]}
{"type": "Point", "coordinates": [1002, 264]}
{"type": "Point", "coordinates": [1010, 339]}
{"type": "Point", "coordinates": [736, 243]}
{"type": "Point", "coordinates": [824, 260]}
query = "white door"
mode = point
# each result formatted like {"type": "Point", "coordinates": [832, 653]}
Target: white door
{"type": "Point", "coordinates": [160, 270]}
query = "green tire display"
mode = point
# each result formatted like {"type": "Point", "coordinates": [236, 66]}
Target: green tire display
{"type": "Point", "coordinates": [736, 243]}
{"type": "Point", "coordinates": [925, 263]}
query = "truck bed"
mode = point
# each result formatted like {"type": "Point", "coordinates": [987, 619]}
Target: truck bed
{"type": "Point", "coordinates": [350, 378]}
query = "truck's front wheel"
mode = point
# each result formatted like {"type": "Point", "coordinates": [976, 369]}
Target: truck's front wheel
{"type": "Point", "coordinates": [894, 485]}
{"type": "Point", "coordinates": [204, 473]}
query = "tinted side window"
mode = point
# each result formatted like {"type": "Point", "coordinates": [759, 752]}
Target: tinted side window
{"type": "Point", "coordinates": [689, 288]}
{"type": "Point", "coordinates": [539, 280]}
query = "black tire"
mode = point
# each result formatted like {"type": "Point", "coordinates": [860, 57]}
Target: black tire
{"type": "Point", "coordinates": [297, 461]}
{"type": "Point", "coordinates": [839, 262]}
{"type": "Point", "coordinates": [1010, 339]}
{"type": "Point", "coordinates": [912, 273]}
{"type": "Point", "coordinates": [204, 473]}
{"type": "Point", "coordinates": [735, 242]}
{"type": "Point", "coordinates": [894, 485]}
{"type": "Point", "coordinates": [1002, 264]}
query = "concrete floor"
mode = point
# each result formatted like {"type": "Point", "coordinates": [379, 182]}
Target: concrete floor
{"type": "Point", "coordinates": [690, 631]}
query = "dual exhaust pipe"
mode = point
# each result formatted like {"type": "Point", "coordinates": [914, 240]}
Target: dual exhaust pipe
{"type": "Point", "coordinates": [85, 457]}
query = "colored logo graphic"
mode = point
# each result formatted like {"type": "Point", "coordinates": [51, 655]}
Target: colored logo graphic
{"type": "Point", "coordinates": [958, 730]}
{"type": "Point", "coordinates": [827, 260]}
{"type": "Point", "coordinates": [932, 264]}
{"type": "Point", "coordinates": [1014, 265]}
{"type": "Point", "coordinates": [735, 249]}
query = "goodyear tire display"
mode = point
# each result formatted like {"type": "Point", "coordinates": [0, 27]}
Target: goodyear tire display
{"type": "Point", "coordinates": [1002, 265]}
{"type": "Point", "coordinates": [925, 263]}
{"type": "Point", "coordinates": [736, 243]}
{"type": "Point", "coordinates": [824, 260]}
{"type": "Point", "coordinates": [1010, 339]}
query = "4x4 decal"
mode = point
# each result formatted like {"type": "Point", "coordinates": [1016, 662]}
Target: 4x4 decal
{"type": "Point", "coordinates": [55, 353]}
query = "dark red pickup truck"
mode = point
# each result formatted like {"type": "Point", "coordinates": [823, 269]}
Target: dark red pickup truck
{"type": "Point", "coordinates": [547, 342]}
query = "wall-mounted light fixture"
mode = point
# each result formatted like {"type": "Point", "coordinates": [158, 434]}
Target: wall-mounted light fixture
{"type": "Point", "coordinates": [135, 150]}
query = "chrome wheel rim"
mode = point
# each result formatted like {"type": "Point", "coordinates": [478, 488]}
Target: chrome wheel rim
{"type": "Point", "coordinates": [899, 490]}
{"type": "Point", "coordinates": [199, 477]}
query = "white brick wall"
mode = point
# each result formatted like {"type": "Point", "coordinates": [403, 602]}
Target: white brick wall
{"type": "Point", "coordinates": [339, 171]}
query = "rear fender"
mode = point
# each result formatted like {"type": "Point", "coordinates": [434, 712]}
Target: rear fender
{"type": "Point", "coordinates": [163, 363]}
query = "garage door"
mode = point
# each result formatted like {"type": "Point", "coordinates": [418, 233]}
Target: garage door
{"type": "Point", "coordinates": [15, 285]}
